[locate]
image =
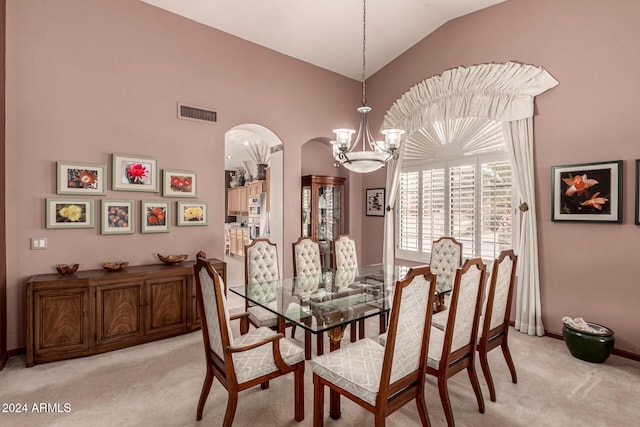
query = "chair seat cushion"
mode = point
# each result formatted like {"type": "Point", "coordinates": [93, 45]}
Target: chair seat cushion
{"type": "Point", "coordinates": [260, 316]}
{"type": "Point", "coordinates": [436, 343]}
{"type": "Point", "coordinates": [356, 368]}
{"type": "Point", "coordinates": [259, 361]}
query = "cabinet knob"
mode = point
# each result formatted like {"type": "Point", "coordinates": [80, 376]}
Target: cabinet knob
{"type": "Point", "coordinates": [84, 313]}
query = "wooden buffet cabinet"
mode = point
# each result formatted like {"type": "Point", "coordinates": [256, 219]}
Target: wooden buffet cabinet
{"type": "Point", "coordinates": [95, 311]}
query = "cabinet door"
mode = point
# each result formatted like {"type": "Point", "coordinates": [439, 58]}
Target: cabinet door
{"type": "Point", "coordinates": [166, 302]}
{"type": "Point", "coordinates": [119, 312]}
{"type": "Point", "coordinates": [61, 324]}
{"type": "Point", "coordinates": [243, 203]}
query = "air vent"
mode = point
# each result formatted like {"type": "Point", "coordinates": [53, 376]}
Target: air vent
{"type": "Point", "coordinates": [195, 113]}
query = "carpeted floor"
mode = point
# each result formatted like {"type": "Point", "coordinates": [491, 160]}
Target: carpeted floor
{"type": "Point", "coordinates": [158, 384]}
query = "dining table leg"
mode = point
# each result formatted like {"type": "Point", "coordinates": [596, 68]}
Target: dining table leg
{"type": "Point", "coordinates": [335, 336]}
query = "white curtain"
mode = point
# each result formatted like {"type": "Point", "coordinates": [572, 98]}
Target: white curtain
{"type": "Point", "coordinates": [500, 92]}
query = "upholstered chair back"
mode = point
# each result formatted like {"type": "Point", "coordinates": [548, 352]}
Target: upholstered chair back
{"type": "Point", "coordinates": [503, 278]}
{"type": "Point", "coordinates": [464, 309]}
{"type": "Point", "coordinates": [306, 257]}
{"type": "Point", "coordinates": [344, 277]}
{"type": "Point", "coordinates": [413, 309]}
{"type": "Point", "coordinates": [345, 252]}
{"type": "Point", "coordinates": [216, 316]}
{"type": "Point", "coordinates": [446, 256]}
{"type": "Point", "coordinates": [262, 262]}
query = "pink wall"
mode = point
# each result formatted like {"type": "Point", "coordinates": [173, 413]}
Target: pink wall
{"type": "Point", "coordinates": [591, 48]}
{"type": "Point", "coordinates": [89, 78]}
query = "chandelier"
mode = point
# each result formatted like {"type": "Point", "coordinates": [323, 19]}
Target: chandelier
{"type": "Point", "coordinates": [373, 154]}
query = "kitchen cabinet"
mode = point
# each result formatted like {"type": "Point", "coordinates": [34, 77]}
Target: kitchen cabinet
{"type": "Point", "coordinates": [237, 201]}
{"type": "Point", "coordinates": [323, 211]}
{"type": "Point", "coordinates": [95, 311]}
{"type": "Point", "coordinates": [239, 239]}
{"type": "Point", "coordinates": [255, 188]}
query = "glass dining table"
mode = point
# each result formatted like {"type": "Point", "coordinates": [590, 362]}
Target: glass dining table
{"type": "Point", "coordinates": [330, 301]}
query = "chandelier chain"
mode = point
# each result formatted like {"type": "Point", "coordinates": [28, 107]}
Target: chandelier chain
{"type": "Point", "coordinates": [364, 57]}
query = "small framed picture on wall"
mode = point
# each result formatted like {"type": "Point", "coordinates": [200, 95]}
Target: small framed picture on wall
{"type": "Point", "coordinates": [191, 213]}
{"type": "Point", "coordinates": [117, 217]}
{"type": "Point", "coordinates": [375, 202]}
{"type": "Point", "coordinates": [155, 216]}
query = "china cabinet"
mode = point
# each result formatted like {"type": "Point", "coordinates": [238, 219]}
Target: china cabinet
{"type": "Point", "coordinates": [323, 211]}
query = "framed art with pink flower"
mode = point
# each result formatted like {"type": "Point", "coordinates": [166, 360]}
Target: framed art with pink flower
{"type": "Point", "coordinates": [69, 213]}
{"type": "Point", "coordinates": [134, 173]}
{"type": "Point", "coordinates": [81, 178]}
{"type": "Point", "coordinates": [118, 217]}
{"type": "Point", "coordinates": [179, 183]}
{"type": "Point", "coordinates": [191, 213]}
{"type": "Point", "coordinates": [589, 192]}
{"type": "Point", "coordinates": [155, 216]}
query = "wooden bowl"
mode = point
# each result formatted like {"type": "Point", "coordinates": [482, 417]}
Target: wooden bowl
{"type": "Point", "coordinates": [67, 269]}
{"type": "Point", "coordinates": [115, 266]}
{"type": "Point", "coordinates": [172, 259]}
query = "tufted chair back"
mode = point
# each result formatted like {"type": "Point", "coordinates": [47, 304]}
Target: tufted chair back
{"type": "Point", "coordinates": [446, 257]}
{"type": "Point", "coordinates": [261, 266]}
{"type": "Point", "coordinates": [306, 257]}
{"type": "Point", "coordinates": [344, 252]}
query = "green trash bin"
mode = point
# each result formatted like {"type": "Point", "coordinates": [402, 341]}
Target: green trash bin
{"type": "Point", "coordinates": [590, 347]}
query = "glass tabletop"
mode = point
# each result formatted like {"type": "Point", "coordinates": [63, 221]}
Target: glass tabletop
{"type": "Point", "coordinates": [331, 299]}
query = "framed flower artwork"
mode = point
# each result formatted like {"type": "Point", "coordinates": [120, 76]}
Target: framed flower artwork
{"type": "Point", "coordinates": [589, 192]}
{"type": "Point", "coordinates": [69, 213]}
{"type": "Point", "coordinates": [154, 216]}
{"type": "Point", "coordinates": [191, 213]}
{"type": "Point", "coordinates": [134, 173]}
{"type": "Point", "coordinates": [81, 178]}
{"type": "Point", "coordinates": [117, 217]}
{"type": "Point", "coordinates": [179, 183]}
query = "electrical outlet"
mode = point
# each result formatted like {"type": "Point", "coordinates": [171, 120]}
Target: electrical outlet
{"type": "Point", "coordinates": [38, 243]}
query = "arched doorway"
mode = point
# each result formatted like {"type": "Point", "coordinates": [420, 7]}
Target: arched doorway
{"type": "Point", "coordinates": [235, 139]}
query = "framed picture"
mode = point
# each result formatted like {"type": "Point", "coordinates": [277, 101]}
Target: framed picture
{"type": "Point", "coordinates": [69, 213]}
{"type": "Point", "coordinates": [154, 216]}
{"type": "Point", "coordinates": [81, 178]}
{"type": "Point", "coordinates": [134, 173]}
{"type": "Point", "coordinates": [375, 202]}
{"type": "Point", "coordinates": [117, 217]}
{"type": "Point", "coordinates": [179, 183]}
{"type": "Point", "coordinates": [638, 192]}
{"type": "Point", "coordinates": [590, 192]}
{"type": "Point", "coordinates": [191, 213]}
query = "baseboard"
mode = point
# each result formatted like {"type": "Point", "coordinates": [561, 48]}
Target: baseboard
{"type": "Point", "coordinates": [17, 351]}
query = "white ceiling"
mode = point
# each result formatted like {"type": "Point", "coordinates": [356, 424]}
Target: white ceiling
{"type": "Point", "coordinates": [328, 33]}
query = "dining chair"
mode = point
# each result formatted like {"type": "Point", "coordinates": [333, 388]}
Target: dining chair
{"type": "Point", "coordinates": [494, 323]}
{"type": "Point", "coordinates": [446, 257]}
{"type": "Point", "coordinates": [261, 268]}
{"type": "Point", "coordinates": [307, 264]}
{"type": "Point", "coordinates": [453, 349]}
{"type": "Point", "coordinates": [380, 378]}
{"type": "Point", "coordinates": [240, 363]}
{"type": "Point", "coordinates": [343, 252]}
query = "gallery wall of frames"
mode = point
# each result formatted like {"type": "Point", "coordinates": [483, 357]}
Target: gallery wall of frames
{"type": "Point", "coordinates": [76, 183]}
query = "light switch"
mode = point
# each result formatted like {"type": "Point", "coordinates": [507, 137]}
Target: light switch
{"type": "Point", "coordinates": [38, 243]}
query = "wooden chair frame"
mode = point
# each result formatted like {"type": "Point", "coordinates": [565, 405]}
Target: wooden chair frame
{"type": "Point", "coordinates": [498, 336]}
{"type": "Point", "coordinates": [464, 358]}
{"type": "Point", "coordinates": [223, 368]}
{"type": "Point", "coordinates": [391, 396]}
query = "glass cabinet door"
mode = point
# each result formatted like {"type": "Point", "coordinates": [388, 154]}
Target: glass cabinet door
{"type": "Point", "coordinates": [322, 212]}
{"type": "Point", "coordinates": [306, 211]}
{"type": "Point", "coordinates": [328, 213]}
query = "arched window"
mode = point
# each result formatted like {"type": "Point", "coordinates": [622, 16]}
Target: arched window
{"type": "Point", "coordinates": [502, 93]}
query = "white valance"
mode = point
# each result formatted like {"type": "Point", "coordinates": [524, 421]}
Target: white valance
{"type": "Point", "coordinates": [502, 92]}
